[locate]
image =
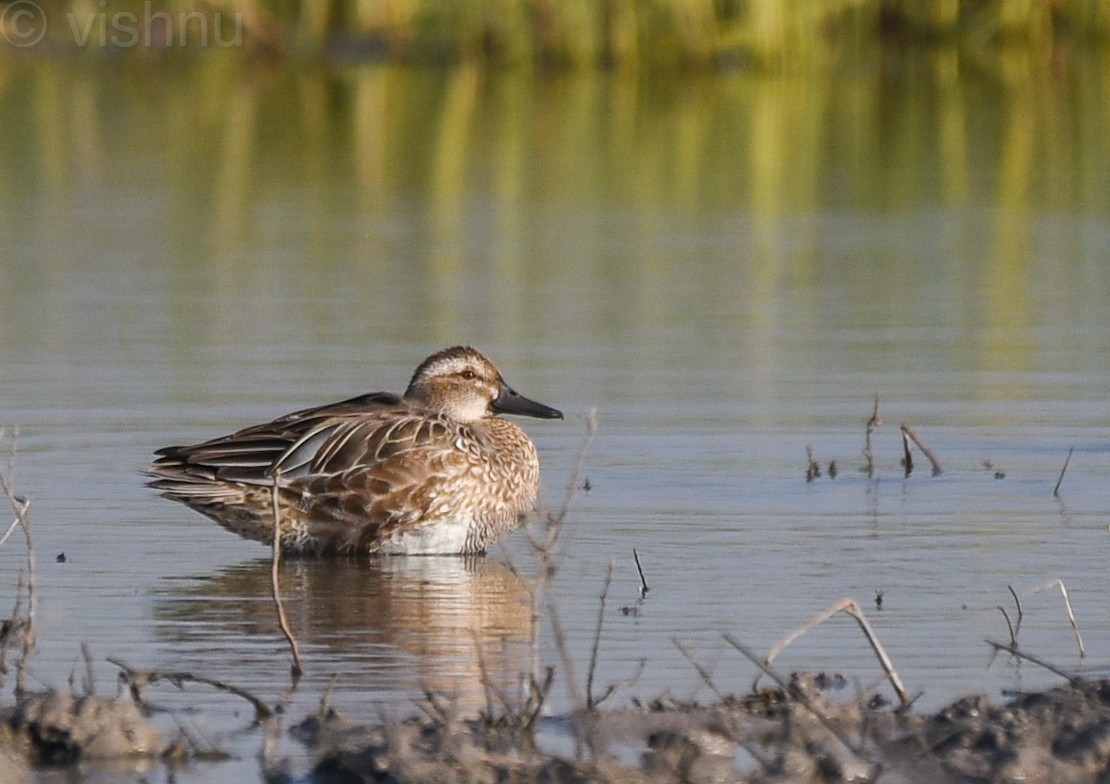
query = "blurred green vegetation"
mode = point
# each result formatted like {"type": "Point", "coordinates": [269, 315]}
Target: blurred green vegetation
{"type": "Point", "coordinates": [768, 34]}
{"type": "Point", "coordinates": [411, 198]}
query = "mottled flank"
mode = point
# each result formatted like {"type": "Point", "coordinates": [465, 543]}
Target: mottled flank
{"type": "Point", "coordinates": [434, 471]}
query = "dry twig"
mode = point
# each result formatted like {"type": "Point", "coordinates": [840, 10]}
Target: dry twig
{"type": "Point", "coordinates": [850, 607]}
{"type": "Point", "coordinates": [872, 423]}
{"type": "Point", "coordinates": [907, 455]}
{"type": "Point", "coordinates": [640, 570]}
{"type": "Point", "coordinates": [137, 680]}
{"type": "Point", "coordinates": [907, 432]}
{"type": "Point", "coordinates": [766, 669]}
{"type": "Point", "coordinates": [275, 558]}
{"type": "Point", "coordinates": [590, 704]}
{"type": "Point", "coordinates": [25, 625]}
{"type": "Point", "coordinates": [545, 545]}
{"type": "Point", "coordinates": [813, 469]}
{"type": "Point", "coordinates": [1056, 490]}
{"type": "Point", "coordinates": [1067, 606]}
{"type": "Point", "coordinates": [1020, 613]}
{"type": "Point", "coordinates": [1013, 650]}
{"type": "Point", "coordinates": [706, 676]}
{"type": "Point", "coordinates": [1010, 626]}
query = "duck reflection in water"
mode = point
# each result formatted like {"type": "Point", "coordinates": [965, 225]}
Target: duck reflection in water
{"type": "Point", "coordinates": [447, 625]}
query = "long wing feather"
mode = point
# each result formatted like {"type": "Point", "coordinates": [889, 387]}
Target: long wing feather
{"type": "Point", "coordinates": [292, 441]}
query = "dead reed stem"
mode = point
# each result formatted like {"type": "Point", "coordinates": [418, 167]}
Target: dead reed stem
{"type": "Point", "coordinates": [275, 559]}
{"type": "Point", "coordinates": [597, 637]}
{"type": "Point", "coordinates": [766, 669]}
{"type": "Point", "coordinates": [872, 423]}
{"type": "Point", "coordinates": [907, 431]}
{"type": "Point", "coordinates": [545, 546]}
{"type": "Point", "coordinates": [555, 522]}
{"type": "Point", "coordinates": [848, 606]}
{"type": "Point", "coordinates": [137, 680]}
{"type": "Point", "coordinates": [1020, 613]}
{"type": "Point", "coordinates": [1013, 650]}
{"type": "Point", "coordinates": [21, 506]}
{"type": "Point", "coordinates": [706, 675]}
{"type": "Point", "coordinates": [1056, 490]}
{"type": "Point", "coordinates": [1010, 626]}
{"type": "Point", "coordinates": [813, 470]}
{"type": "Point", "coordinates": [907, 455]}
{"type": "Point", "coordinates": [640, 570]}
{"type": "Point", "coordinates": [1058, 583]}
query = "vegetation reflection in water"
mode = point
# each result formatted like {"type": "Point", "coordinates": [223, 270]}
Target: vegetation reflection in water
{"type": "Point", "coordinates": [221, 149]}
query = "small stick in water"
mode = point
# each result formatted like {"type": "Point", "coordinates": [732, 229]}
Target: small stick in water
{"type": "Point", "coordinates": [275, 555]}
{"type": "Point", "coordinates": [137, 680]}
{"type": "Point", "coordinates": [872, 423]}
{"type": "Point", "coordinates": [1056, 490]}
{"type": "Point", "coordinates": [590, 704]}
{"type": "Point", "coordinates": [907, 431]}
{"type": "Point", "coordinates": [849, 607]}
{"type": "Point", "coordinates": [1067, 606]}
{"type": "Point", "coordinates": [1075, 680]}
{"type": "Point", "coordinates": [1010, 626]}
{"type": "Point", "coordinates": [643, 583]}
{"type": "Point", "coordinates": [907, 457]}
{"type": "Point", "coordinates": [1020, 613]}
{"type": "Point", "coordinates": [813, 471]}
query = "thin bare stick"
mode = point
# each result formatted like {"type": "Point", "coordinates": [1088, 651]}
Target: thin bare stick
{"type": "Point", "coordinates": [700, 668]}
{"type": "Point", "coordinates": [1056, 490]}
{"type": "Point", "coordinates": [1012, 649]}
{"type": "Point", "coordinates": [1010, 626]}
{"type": "Point", "coordinates": [800, 696]}
{"type": "Point", "coordinates": [488, 687]}
{"type": "Point", "coordinates": [545, 545]}
{"type": "Point", "coordinates": [813, 469]}
{"type": "Point", "coordinates": [537, 696]}
{"type": "Point", "coordinates": [1020, 612]}
{"type": "Point", "coordinates": [908, 431]}
{"type": "Point", "coordinates": [850, 607]}
{"type": "Point", "coordinates": [275, 559]}
{"type": "Point", "coordinates": [907, 456]}
{"type": "Point", "coordinates": [1067, 605]}
{"type": "Point", "coordinates": [8, 533]}
{"type": "Point", "coordinates": [22, 507]}
{"type": "Point", "coordinates": [640, 570]}
{"type": "Point", "coordinates": [137, 680]}
{"type": "Point", "coordinates": [597, 638]}
{"type": "Point", "coordinates": [624, 683]}
{"type": "Point", "coordinates": [555, 522]}
{"type": "Point", "coordinates": [872, 423]}
{"type": "Point", "coordinates": [89, 681]}
{"type": "Point", "coordinates": [564, 654]}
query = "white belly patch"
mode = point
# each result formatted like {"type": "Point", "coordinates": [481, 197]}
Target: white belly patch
{"type": "Point", "coordinates": [443, 537]}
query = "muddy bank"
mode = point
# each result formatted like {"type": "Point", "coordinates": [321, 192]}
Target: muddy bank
{"type": "Point", "coordinates": [794, 735]}
{"type": "Point", "coordinates": [806, 732]}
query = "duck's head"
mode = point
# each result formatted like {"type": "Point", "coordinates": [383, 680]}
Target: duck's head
{"type": "Point", "coordinates": [461, 383]}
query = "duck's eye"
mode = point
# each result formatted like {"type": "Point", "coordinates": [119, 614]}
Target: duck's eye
{"type": "Point", "coordinates": [469, 375]}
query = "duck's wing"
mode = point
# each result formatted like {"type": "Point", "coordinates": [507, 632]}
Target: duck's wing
{"type": "Point", "coordinates": [288, 443]}
{"type": "Point", "coordinates": [367, 441]}
{"type": "Point", "coordinates": [373, 480]}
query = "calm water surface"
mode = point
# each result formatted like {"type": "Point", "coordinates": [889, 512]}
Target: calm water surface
{"type": "Point", "coordinates": [728, 269]}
